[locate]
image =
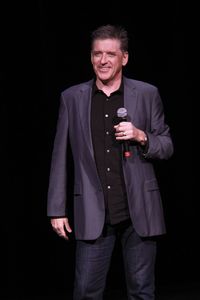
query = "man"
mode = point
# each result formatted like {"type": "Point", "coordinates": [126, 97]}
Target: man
{"type": "Point", "coordinates": [115, 194]}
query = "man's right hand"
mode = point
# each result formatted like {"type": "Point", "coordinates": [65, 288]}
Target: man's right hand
{"type": "Point", "coordinates": [61, 227]}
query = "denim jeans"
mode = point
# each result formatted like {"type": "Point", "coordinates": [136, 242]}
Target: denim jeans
{"type": "Point", "coordinates": [93, 260]}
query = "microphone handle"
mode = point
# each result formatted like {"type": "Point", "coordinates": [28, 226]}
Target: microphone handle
{"type": "Point", "coordinates": [126, 150]}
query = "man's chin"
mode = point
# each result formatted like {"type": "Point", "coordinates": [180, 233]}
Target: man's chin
{"type": "Point", "coordinates": [104, 79]}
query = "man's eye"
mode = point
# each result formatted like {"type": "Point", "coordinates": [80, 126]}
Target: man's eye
{"type": "Point", "coordinates": [97, 54]}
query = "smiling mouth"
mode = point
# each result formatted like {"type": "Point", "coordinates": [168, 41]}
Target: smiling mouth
{"type": "Point", "coordinates": [104, 69]}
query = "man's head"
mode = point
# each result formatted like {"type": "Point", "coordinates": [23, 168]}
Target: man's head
{"type": "Point", "coordinates": [109, 52]}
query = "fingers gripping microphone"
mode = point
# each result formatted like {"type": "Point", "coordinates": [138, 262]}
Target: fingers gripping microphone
{"type": "Point", "coordinates": [122, 115]}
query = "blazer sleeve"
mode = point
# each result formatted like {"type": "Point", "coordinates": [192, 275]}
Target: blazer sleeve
{"type": "Point", "coordinates": [56, 200]}
{"type": "Point", "coordinates": [160, 144]}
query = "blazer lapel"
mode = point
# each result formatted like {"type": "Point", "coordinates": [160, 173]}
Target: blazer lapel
{"type": "Point", "coordinates": [130, 100]}
{"type": "Point", "coordinates": [85, 116]}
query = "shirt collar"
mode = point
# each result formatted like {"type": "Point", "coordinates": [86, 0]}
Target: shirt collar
{"type": "Point", "coordinates": [95, 89]}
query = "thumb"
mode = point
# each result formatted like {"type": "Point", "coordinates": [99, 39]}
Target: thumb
{"type": "Point", "coordinates": [67, 226]}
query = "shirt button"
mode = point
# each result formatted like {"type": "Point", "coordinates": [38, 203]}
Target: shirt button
{"type": "Point", "coordinates": [108, 169]}
{"type": "Point", "coordinates": [107, 132]}
{"type": "Point", "coordinates": [106, 115]}
{"type": "Point", "coordinates": [108, 150]}
{"type": "Point", "coordinates": [108, 187]}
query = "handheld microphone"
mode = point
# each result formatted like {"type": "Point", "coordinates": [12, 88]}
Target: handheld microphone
{"type": "Point", "coordinates": [122, 115]}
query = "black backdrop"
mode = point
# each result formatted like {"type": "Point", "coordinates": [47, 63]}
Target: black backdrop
{"type": "Point", "coordinates": [46, 49]}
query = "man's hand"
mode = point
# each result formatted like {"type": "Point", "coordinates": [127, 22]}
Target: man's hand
{"type": "Point", "coordinates": [61, 227]}
{"type": "Point", "coordinates": [127, 131]}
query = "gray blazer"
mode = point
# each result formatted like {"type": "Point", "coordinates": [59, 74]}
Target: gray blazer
{"type": "Point", "coordinates": [145, 111]}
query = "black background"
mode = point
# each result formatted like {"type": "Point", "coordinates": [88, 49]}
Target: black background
{"type": "Point", "coordinates": [45, 49]}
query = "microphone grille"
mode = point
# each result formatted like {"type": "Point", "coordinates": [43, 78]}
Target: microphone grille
{"type": "Point", "coordinates": [122, 112]}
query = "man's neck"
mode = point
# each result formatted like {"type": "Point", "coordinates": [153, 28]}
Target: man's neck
{"type": "Point", "coordinates": [110, 86]}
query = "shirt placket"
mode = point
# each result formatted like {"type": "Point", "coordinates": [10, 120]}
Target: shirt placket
{"type": "Point", "coordinates": [108, 142]}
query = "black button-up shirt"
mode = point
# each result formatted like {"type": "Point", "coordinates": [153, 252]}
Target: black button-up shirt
{"type": "Point", "coordinates": [108, 153]}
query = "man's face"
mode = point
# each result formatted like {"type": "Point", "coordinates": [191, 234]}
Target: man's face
{"type": "Point", "coordinates": [108, 59]}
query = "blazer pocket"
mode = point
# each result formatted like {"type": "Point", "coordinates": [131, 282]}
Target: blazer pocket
{"type": "Point", "coordinates": [77, 190]}
{"type": "Point", "coordinates": [151, 185]}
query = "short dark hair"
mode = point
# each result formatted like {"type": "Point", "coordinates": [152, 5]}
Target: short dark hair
{"type": "Point", "coordinates": [111, 32]}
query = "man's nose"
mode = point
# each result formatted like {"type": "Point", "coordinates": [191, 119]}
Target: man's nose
{"type": "Point", "coordinates": [104, 58]}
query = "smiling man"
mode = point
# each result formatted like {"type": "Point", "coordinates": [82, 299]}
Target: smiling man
{"type": "Point", "coordinates": [116, 198]}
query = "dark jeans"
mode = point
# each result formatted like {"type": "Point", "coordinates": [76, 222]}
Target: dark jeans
{"type": "Point", "coordinates": [93, 261]}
